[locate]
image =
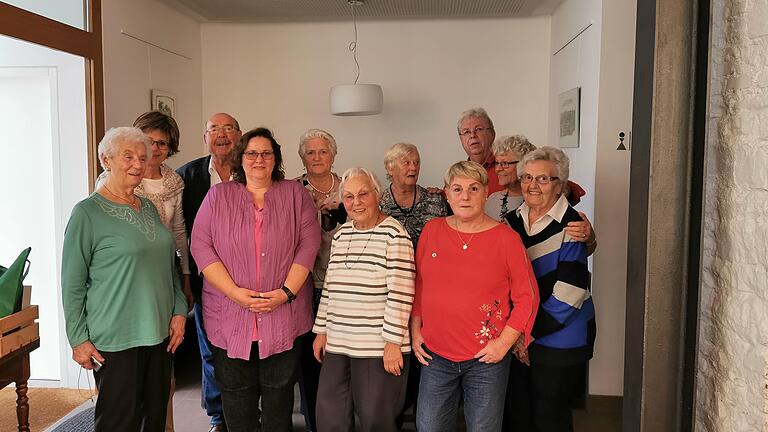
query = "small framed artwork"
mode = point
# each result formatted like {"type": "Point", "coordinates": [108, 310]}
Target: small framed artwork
{"type": "Point", "coordinates": [568, 107]}
{"type": "Point", "coordinates": [164, 102]}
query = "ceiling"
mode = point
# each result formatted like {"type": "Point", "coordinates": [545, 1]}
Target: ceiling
{"type": "Point", "coordinates": [245, 11]}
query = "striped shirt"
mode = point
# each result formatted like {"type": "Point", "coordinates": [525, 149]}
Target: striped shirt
{"type": "Point", "coordinates": [368, 291]}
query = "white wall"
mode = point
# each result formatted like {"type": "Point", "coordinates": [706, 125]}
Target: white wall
{"type": "Point", "coordinates": [600, 61]}
{"type": "Point", "coordinates": [132, 67]}
{"type": "Point", "coordinates": [279, 75]}
{"type": "Point", "coordinates": [45, 173]}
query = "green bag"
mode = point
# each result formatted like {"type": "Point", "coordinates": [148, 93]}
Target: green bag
{"type": "Point", "coordinates": [11, 284]}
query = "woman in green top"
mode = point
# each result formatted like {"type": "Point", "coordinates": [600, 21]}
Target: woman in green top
{"type": "Point", "coordinates": [123, 304]}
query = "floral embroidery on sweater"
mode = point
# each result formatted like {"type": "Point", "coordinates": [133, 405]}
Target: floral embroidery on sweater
{"type": "Point", "coordinates": [488, 329]}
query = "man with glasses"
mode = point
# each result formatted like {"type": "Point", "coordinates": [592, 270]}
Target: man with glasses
{"type": "Point", "coordinates": [222, 131]}
{"type": "Point", "coordinates": [476, 133]}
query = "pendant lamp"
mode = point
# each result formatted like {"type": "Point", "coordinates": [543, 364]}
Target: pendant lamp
{"type": "Point", "coordinates": [356, 99]}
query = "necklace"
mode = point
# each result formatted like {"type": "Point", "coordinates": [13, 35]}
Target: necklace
{"type": "Point", "coordinates": [326, 193]}
{"type": "Point", "coordinates": [347, 263]}
{"type": "Point", "coordinates": [133, 203]}
{"type": "Point", "coordinates": [504, 208]}
{"type": "Point", "coordinates": [464, 244]}
{"type": "Point", "coordinates": [413, 203]}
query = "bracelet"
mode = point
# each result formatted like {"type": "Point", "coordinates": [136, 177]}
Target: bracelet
{"type": "Point", "coordinates": [289, 293]}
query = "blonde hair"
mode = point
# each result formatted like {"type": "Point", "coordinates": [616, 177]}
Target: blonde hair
{"type": "Point", "coordinates": [466, 169]}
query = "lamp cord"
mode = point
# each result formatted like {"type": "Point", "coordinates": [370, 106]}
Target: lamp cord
{"type": "Point", "coordinates": [353, 44]}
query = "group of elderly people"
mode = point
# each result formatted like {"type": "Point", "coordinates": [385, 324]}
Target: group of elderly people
{"type": "Point", "coordinates": [346, 286]}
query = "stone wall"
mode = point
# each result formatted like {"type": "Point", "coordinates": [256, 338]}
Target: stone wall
{"type": "Point", "coordinates": [732, 381]}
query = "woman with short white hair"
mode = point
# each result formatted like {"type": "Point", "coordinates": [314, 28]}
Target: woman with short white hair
{"type": "Point", "coordinates": [317, 149]}
{"type": "Point", "coordinates": [564, 331]}
{"type": "Point", "coordinates": [362, 323]}
{"type": "Point", "coordinates": [405, 200]}
{"type": "Point", "coordinates": [123, 304]}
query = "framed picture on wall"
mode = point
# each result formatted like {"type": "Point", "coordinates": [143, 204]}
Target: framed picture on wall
{"type": "Point", "coordinates": [164, 101]}
{"type": "Point", "coordinates": [568, 106]}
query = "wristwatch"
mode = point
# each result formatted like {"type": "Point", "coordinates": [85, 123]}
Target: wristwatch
{"type": "Point", "coordinates": [289, 293]}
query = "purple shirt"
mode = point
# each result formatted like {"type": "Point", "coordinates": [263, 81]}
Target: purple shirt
{"type": "Point", "coordinates": [224, 232]}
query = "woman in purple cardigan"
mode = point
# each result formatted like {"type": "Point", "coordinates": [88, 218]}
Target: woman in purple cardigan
{"type": "Point", "coordinates": [255, 240]}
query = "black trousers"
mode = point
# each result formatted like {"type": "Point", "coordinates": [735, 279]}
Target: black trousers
{"type": "Point", "coordinates": [133, 389]}
{"type": "Point", "coordinates": [359, 385]}
{"type": "Point", "coordinates": [309, 379]}
{"type": "Point", "coordinates": [244, 382]}
{"type": "Point", "coordinates": [540, 398]}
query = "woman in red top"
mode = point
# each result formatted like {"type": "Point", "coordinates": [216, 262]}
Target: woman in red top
{"type": "Point", "coordinates": [476, 295]}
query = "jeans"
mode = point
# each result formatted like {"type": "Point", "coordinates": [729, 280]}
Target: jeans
{"type": "Point", "coordinates": [442, 384]}
{"type": "Point", "coordinates": [211, 395]}
{"type": "Point", "coordinates": [244, 382]}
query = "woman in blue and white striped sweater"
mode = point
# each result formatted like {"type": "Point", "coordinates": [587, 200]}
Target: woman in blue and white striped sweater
{"type": "Point", "coordinates": [564, 329]}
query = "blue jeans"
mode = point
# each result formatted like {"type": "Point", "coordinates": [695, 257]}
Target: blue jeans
{"type": "Point", "coordinates": [442, 384]}
{"type": "Point", "coordinates": [211, 397]}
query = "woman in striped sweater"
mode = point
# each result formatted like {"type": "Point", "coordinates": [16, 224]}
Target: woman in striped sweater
{"type": "Point", "coordinates": [362, 323]}
{"type": "Point", "coordinates": [564, 330]}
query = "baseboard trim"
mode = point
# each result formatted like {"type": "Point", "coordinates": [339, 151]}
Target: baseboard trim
{"type": "Point", "coordinates": [605, 404]}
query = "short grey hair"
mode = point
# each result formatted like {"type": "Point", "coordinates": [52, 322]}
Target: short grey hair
{"type": "Point", "coordinates": [317, 133]}
{"type": "Point", "coordinates": [394, 153]}
{"type": "Point", "coordinates": [360, 172]}
{"type": "Point", "coordinates": [474, 112]}
{"type": "Point", "coordinates": [517, 144]}
{"type": "Point", "coordinates": [112, 139]}
{"type": "Point", "coordinates": [466, 169]}
{"type": "Point", "coordinates": [550, 154]}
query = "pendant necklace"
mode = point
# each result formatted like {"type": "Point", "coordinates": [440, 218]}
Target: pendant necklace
{"type": "Point", "coordinates": [464, 244]}
{"type": "Point", "coordinates": [349, 265]}
{"type": "Point", "coordinates": [133, 204]}
{"type": "Point", "coordinates": [327, 194]}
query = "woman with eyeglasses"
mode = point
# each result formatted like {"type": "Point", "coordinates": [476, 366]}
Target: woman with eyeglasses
{"type": "Point", "coordinates": [508, 151]}
{"type": "Point", "coordinates": [564, 330]}
{"type": "Point", "coordinates": [362, 324]}
{"type": "Point", "coordinates": [255, 240]}
{"type": "Point", "coordinates": [476, 297]}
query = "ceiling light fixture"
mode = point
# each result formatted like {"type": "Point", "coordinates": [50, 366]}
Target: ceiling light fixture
{"type": "Point", "coordinates": [356, 99]}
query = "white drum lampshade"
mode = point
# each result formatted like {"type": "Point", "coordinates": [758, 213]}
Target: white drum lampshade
{"type": "Point", "coordinates": [356, 99]}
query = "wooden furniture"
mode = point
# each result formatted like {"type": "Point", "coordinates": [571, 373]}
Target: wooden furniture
{"type": "Point", "coordinates": [19, 335]}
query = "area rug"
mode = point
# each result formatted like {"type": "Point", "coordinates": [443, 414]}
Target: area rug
{"type": "Point", "coordinates": [46, 406]}
{"type": "Point", "coordinates": [82, 421]}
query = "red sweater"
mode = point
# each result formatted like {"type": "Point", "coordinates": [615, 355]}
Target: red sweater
{"type": "Point", "coordinates": [464, 297]}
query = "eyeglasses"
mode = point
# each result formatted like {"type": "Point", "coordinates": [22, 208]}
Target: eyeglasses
{"type": "Point", "coordinates": [540, 179]}
{"type": "Point", "coordinates": [475, 131]}
{"type": "Point", "coordinates": [253, 155]}
{"type": "Point", "coordinates": [507, 164]}
{"type": "Point", "coordinates": [362, 195]}
{"type": "Point", "coordinates": [224, 128]}
{"type": "Point", "coordinates": [161, 144]}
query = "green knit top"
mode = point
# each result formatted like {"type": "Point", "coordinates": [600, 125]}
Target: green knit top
{"type": "Point", "coordinates": [119, 282]}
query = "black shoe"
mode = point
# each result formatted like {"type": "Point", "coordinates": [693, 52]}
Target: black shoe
{"type": "Point", "coordinates": [221, 427]}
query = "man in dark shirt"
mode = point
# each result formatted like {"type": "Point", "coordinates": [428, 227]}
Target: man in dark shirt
{"type": "Point", "coordinates": [222, 131]}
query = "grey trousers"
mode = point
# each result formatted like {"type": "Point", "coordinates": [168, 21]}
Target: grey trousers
{"type": "Point", "coordinates": [361, 386]}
